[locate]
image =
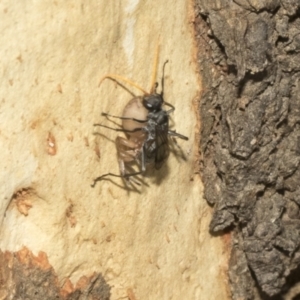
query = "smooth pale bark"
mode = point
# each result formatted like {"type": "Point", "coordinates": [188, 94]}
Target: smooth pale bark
{"type": "Point", "coordinates": [153, 243]}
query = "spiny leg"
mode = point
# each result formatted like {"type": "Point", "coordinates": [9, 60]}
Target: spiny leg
{"type": "Point", "coordinates": [102, 176]}
{"type": "Point", "coordinates": [130, 176]}
{"type": "Point", "coordinates": [119, 129]}
{"type": "Point", "coordinates": [170, 105]}
{"type": "Point", "coordinates": [127, 169]}
{"type": "Point", "coordinates": [175, 134]}
{"type": "Point", "coordinates": [118, 77]}
{"type": "Point", "coordinates": [123, 118]}
{"type": "Point", "coordinates": [125, 155]}
{"type": "Point", "coordinates": [114, 175]}
{"type": "Point", "coordinates": [175, 147]}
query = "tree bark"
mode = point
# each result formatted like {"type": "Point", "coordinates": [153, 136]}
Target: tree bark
{"type": "Point", "coordinates": [250, 139]}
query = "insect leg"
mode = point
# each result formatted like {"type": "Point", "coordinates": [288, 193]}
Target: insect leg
{"type": "Point", "coordinates": [119, 129]}
{"type": "Point", "coordinates": [143, 159]}
{"type": "Point", "coordinates": [123, 118]}
{"type": "Point", "coordinates": [123, 174]}
{"type": "Point", "coordinates": [170, 105]}
{"type": "Point", "coordinates": [118, 77]}
{"type": "Point", "coordinates": [114, 175]}
{"type": "Point", "coordinates": [175, 134]}
{"type": "Point", "coordinates": [102, 176]}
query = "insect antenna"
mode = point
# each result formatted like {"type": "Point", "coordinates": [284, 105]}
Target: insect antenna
{"type": "Point", "coordinates": [163, 79]}
{"type": "Point", "coordinates": [153, 85]}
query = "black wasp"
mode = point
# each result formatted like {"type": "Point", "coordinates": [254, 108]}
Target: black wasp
{"type": "Point", "coordinates": [146, 125]}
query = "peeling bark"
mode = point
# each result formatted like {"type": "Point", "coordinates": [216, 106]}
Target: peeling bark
{"type": "Point", "coordinates": [250, 136]}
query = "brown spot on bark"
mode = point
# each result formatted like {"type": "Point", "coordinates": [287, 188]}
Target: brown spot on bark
{"type": "Point", "coordinates": [69, 213]}
{"type": "Point", "coordinates": [51, 144]}
{"type": "Point", "coordinates": [23, 201]}
{"type": "Point", "coordinates": [59, 88]}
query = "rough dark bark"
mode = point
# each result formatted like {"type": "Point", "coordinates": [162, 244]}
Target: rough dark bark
{"type": "Point", "coordinates": [250, 138]}
{"type": "Point", "coordinates": [29, 277]}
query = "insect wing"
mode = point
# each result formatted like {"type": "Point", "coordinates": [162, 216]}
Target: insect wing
{"type": "Point", "coordinates": [162, 145]}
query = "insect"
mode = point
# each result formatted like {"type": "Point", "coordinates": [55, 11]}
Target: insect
{"type": "Point", "coordinates": [145, 122]}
